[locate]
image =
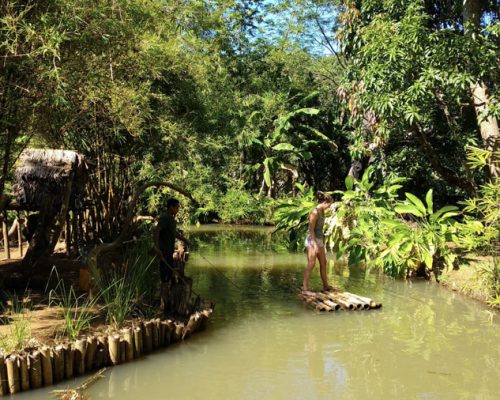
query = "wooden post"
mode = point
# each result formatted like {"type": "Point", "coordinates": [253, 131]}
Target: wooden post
{"type": "Point", "coordinates": [91, 349]}
{"type": "Point", "coordinates": [123, 351]}
{"type": "Point", "coordinates": [148, 337]}
{"type": "Point", "coordinates": [24, 373]}
{"type": "Point", "coordinates": [46, 366]}
{"type": "Point", "coordinates": [128, 337]}
{"type": "Point", "coordinates": [156, 333]}
{"type": "Point", "coordinates": [79, 352]}
{"type": "Point", "coordinates": [103, 344]}
{"type": "Point", "coordinates": [20, 235]}
{"type": "Point", "coordinates": [12, 374]}
{"type": "Point", "coordinates": [67, 235]}
{"type": "Point", "coordinates": [58, 363]}
{"type": "Point", "coordinates": [114, 349]}
{"type": "Point", "coordinates": [5, 232]}
{"type": "Point", "coordinates": [68, 361]}
{"type": "Point", "coordinates": [179, 328]}
{"type": "Point", "coordinates": [163, 334]}
{"type": "Point", "coordinates": [36, 370]}
{"type": "Point", "coordinates": [138, 346]}
{"type": "Point", "coordinates": [4, 384]}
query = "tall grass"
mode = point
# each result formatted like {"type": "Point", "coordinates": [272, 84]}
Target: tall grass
{"type": "Point", "coordinates": [19, 319]}
{"type": "Point", "coordinates": [125, 288]}
{"type": "Point", "coordinates": [78, 311]}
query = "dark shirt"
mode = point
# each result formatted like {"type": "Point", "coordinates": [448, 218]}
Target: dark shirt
{"type": "Point", "coordinates": [168, 229]}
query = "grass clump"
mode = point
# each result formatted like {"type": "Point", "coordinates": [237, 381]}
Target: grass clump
{"type": "Point", "coordinates": [18, 317]}
{"type": "Point", "coordinates": [78, 310]}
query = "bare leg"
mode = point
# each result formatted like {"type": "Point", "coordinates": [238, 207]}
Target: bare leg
{"type": "Point", "coordinates": [311, 261]}
{"type": "Point", "coordinates": [322, 267]}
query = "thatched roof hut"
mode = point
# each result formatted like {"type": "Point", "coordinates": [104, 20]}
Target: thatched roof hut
{"type": "Point", "coordinates": [44, 174]}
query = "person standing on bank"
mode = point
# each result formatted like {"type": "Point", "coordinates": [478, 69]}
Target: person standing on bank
{"type": "Point", "coordinates": [314, 243]}
{"type": "Point", "coordinates": [164, 237]}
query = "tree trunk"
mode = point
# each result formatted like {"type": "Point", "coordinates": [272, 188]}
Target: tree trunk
{"type": "Point", "coordinates": [472, 11]}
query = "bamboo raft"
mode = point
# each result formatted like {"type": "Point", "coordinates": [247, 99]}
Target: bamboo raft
{"type": "Point", "coordinates": [44, 366]}
{"type": "Point", "coordinates": [335, 301]}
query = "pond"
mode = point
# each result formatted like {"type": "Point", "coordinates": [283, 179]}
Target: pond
{"type": "Point", "coordinates": [262, 343]}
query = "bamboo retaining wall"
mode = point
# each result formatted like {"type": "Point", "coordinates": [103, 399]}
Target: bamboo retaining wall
{"type": "Point", "coordinates": [335, 301]}
{"type": "Point", "coordinates": [48, 365]}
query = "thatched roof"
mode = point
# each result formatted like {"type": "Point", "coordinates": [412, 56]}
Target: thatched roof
{"type": "Point", "coordinates": [44, 174]}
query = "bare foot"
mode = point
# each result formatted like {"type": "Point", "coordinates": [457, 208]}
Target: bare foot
{"type": "Point", "coordinates": [307, 292]}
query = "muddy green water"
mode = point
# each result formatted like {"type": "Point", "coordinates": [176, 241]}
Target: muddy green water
{"type": "Point", "coordinates": [425, 343]}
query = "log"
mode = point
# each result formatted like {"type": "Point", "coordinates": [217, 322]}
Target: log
{"type": "Point", "coordinates": [90, 354]}
{"type": "Point", "coordinates": [103, 344]}
{"type": "Point", "coordinates": [68, 361]}
{"type": "Point", "coordinates": [138, 346]}
{"type": "Point", "coordinates": [147, 338]}
{"type": "Point", "coordinates": [35, 370]}
{"type": "Point", "coordinates": [59, 355]}
{"type": "Point", "coordinates": [4, 384]}
{"type": "Point", "coordinates": [13, 374]}
{"type": "Point", "coordinates": [114, 349]}
{"type": "Point", "coordinates": [47, 376]}
{"type": "Point", "coordinates": [128, 337]}
{"type": "Point", "coordinates": [22, 361]}
{"type": "Point", "coordinates": [79, 353]}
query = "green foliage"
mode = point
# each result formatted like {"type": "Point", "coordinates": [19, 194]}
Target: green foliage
{"type": "Point", "coordinates": [400, 237]}
{"type": "Point", "coordinates": [490, 274]}
{"type": "Point", "coordinates": [292, 215]}
{"type": "Point", "coordinates": [481, 227]}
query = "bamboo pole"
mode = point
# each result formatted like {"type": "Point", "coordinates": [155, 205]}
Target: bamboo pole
{"type": "Point", "coordinates": [35, 370]}
{"type": "Point", "coordinates": [114, 349]}
{"type": "Point", "coordinates": [179, 328]}
{"type": "Point", "coordinates": [128, 337]}
{"type": "Point", "coordinates": [5, 231]}
{"type": "Point", "coordinates": [367, 300]}
{"type": "Point", "coordinates": [24, 373]}
{"type": "Point", "coordinates": [4, 384]}
{"type": "Point", "coordinates": [327, 300]}
{"type": "Point", "coordinates": [123, 350]}
{"type": "Point", "coordinates": [68, 361]}
{"type": "Point", "coordinates": [99, 357]}
{"type": "Point", "coordinates": [58, 363]}
{"type": "Point", "coordinates": [163, 334]}
{"type": "Point", "coordinates": [138, 346]}
{"type": "Point", "coordinates": [205, 314]}
{"type": "Point", "coordinates": [342, 302]}
{"type": "Point", "coordinates": [79, 353]}
{"type": "Point", "coordinates": [156, 333]}
{"type": "Point", "coordinates": [12, 374]}
{"type": "Point", "coordinates": [103, 344]}
{"type": "Point", "coordinates": [148, 337]}
{"type": "Point", "coordinates": [46, 366]}
{"type": "Point", "coordinates": [89, 356]}
{"type": "Point", "coordinates": [191, 326]}
{"type": "Point", "coordinates": [169, 331]}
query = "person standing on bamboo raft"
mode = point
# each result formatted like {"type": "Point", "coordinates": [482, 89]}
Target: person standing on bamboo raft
{"type": "Point", "coordinates": [164, 237]}
{"type": "Point", "coordinates": [314, 242]}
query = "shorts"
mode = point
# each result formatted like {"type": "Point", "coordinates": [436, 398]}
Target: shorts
{"type": "Point", "coordinates": [308, 242]}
